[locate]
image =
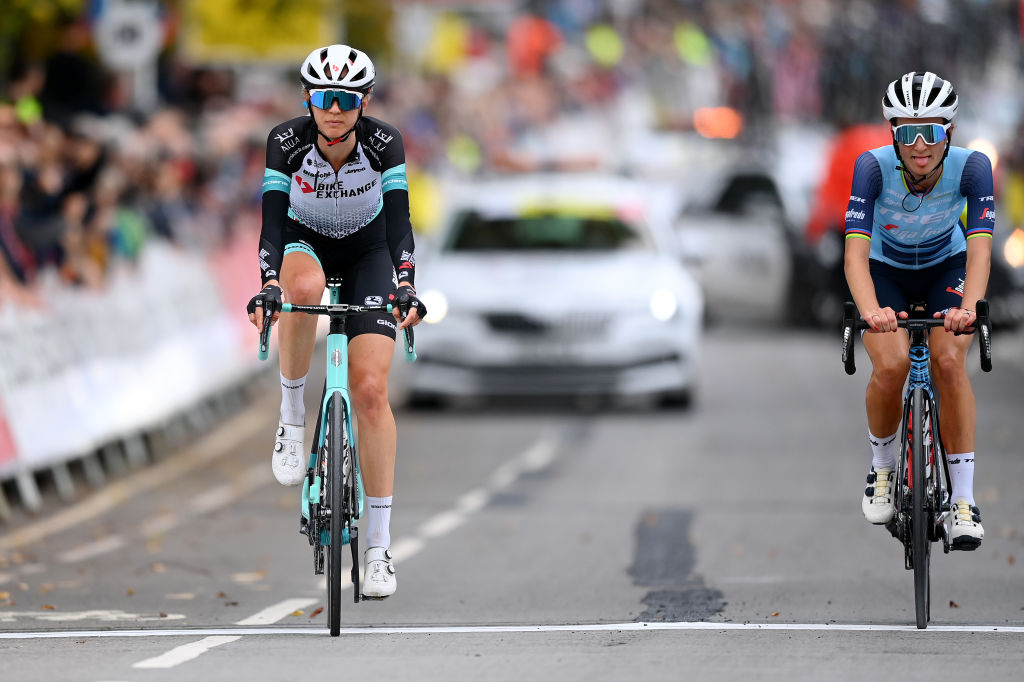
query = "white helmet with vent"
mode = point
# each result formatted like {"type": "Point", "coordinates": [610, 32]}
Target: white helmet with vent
{"type": "Point", "coordinates": [338, 66]}
{"type": "Point", "coordinates": [920, 94]}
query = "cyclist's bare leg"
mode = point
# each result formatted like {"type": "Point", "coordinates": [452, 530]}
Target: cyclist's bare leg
{"type": "Point", "coordinates": [890, 365]}
{"type": "Point", "coordinates": [369, 363]}
{"type": "Point", "coordinates": [957, 415]}
{"type": "Point", "coordinates": [303, 282]}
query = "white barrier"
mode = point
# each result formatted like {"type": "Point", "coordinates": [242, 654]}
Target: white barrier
{"type": "Point", "coordinates": [94, 367]}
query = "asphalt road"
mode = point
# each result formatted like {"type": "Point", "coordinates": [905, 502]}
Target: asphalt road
{"type": "Point", "coordinates": [538, 540]}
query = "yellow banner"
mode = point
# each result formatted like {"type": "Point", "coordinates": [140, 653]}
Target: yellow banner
{"type": "Point", "coordinates": [256, 30]}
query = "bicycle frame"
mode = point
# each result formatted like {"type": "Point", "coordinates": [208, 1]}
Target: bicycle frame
{"type": "Point", "coordinates": [920, 378]}
{"type": "Point", "coordinates": [336, 382]}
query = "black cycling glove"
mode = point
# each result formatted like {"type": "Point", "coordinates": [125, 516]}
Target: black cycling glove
{"type": "Point", "coordinates": [405, 299]}
{"type": "Point", "coordinates": [269, 299]}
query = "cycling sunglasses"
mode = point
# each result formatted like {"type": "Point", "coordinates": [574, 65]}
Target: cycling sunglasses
{"type": "Point", "coordinates": [347, 100]}
{"type": "Point", "coordinates": [931, 133]}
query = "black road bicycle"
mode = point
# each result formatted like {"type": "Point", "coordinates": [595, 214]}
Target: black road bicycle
{"type": "Point", "coordinates": [922, 487]}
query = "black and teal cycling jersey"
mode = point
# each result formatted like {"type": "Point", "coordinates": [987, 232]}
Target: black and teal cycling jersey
{"type": "Point", "coordinates": [367, 194]}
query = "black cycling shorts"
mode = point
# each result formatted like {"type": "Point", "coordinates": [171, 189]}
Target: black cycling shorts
{"type": "Point", "coordinates": [363, 262]}
{"type": "Point", "coordinates": [940, 286]}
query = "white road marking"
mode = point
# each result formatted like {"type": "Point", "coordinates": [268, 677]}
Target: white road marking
{"type": "Point", "coordinates": [274, 613]}
{"type": "Point", "coordinates": [185, 652]}
{"type": "Point", "coordinates": [105, 616]}
{"type": "Point", "coordinates": [199, 455]}
{"type": "Point", "coordinates": [508, 629]}
{"type": "Point", "coordinates": [92, 549]}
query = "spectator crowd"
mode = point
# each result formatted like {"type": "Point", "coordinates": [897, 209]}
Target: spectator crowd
{"type": "Point", "coordinates": [86, 180]}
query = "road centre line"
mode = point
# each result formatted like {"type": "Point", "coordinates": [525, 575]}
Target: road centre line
{"type": "Point", "coordinates": [511, 629]}
{"type": "Point", "coordinates": [185, 652]}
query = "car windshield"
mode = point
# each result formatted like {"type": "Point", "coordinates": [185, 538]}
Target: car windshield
{"type": "Point", "coordinates": [543, 232]}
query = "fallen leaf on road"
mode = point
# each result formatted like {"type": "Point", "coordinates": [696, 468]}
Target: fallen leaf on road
{"type": "Point", "coordinates": [316, 612]}
{"type": "Point", "coordinates": [79, 641]}
{"type": "Point", "coordinates": [4, 596]}
{"type": "Point", "coordinates": [230, 603]}
{"type": "Point", "coordinates": [163, 614]}
{"type": "Point", "coordinates": [953, 604]}
{"type": "Point", "coordinates": [129, 592]}
{"type": "Point", "coordinates": [48, 607]}
{"type": "Point", "coordinates": [45, 587]}
{"type": "Point", "coordinates": [775, 614]}
{"type": "Point", "coordinates": [221, 595]}
{"type": "Point", "coordinates": [298, 613]}
{"type": "Point", "coordinates": [158, 567]}
{"type": "Point", "coordinates": [1010, 560]}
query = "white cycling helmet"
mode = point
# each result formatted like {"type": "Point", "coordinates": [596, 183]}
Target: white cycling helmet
{"type": "Point", "coordinates": [337, 66]}
{"type": "Point", "coordinates": [920, 94]}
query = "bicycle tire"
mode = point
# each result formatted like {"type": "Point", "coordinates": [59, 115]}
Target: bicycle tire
{"type": "Point", "coordinates": [919, 524]}
{"type": "Point", "coordinates": [336, 441]}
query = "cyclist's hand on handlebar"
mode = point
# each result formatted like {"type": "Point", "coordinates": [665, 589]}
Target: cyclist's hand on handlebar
{"type": "Point", "coordinates": [408, 310]}
{"type": "Point", "coordinates": [883, 319]}
{"type": "Point", "coordinates": [267, 302]}
{"type": "Point", "coordinates": [958, 320]}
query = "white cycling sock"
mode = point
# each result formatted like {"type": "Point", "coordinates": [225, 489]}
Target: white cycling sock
{"type": "Point", "coordinates": [378, 533]}
{"type": "Point", "coordinates": [883, 450]}
{"type": "Point", "coordinates": [293, 410]}
{"type": "Point", "coordinates": [961, 470]}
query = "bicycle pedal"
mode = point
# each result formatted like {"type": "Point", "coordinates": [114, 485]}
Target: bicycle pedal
{"type": "Point", "coordinates": [303, 526]}
{"type": "Point", "coordinates": [368, 598]}
{"type": "Point", "coordinates": [893, 528]}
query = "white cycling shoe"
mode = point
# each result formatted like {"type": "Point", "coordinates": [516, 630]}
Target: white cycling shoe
{"type": "Point", "coordinates": [877, 501]}
{"type": "Point", "coordinates": [967, 532]}
{"type": "Point", "coordinates": [289, 461]}
{"type": "Point", "coordinates": [379, 581]}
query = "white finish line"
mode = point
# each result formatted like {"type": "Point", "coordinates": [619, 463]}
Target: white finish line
{"type": "Point", "coordinates": [506, 629]}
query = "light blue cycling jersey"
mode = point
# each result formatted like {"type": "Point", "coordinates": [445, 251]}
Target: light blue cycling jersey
{"type": "Point", "coordinates": [915, 231]}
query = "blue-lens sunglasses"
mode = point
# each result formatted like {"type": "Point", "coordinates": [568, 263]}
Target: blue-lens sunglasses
{"type": "Point", "coordinates": [347, 100]}
{"type": "Point", "coordinates": [931, 133]}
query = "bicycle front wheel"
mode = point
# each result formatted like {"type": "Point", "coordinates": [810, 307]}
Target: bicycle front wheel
{"type": "Point", "coordinates": [334, 443]}
{"type": "Point", "coordinates": [921, 546]}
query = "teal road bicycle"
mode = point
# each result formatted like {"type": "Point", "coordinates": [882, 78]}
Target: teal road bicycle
{"type": "Point", "coordinates": [332, 494]}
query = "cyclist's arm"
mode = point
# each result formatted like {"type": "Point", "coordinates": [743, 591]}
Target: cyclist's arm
{"type": "Point", "coordinates": [395, 189]}
{"type": "Point", "coordinates": [976, 184]}
{"type": "Point", "coordinates": [866, 187]}
{"type": "Point", "coordinates": [276, 185]}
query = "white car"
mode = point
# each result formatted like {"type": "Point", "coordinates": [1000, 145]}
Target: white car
{"type": "Point", "coordinates": [556, 285]}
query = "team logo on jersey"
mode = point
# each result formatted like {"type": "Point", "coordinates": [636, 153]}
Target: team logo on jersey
{"type": "Point", "coordinates": [858, 215]}
{"type": "Point", "coordinates": [890, 226]}
{"type": "Point", "coordinates": [988, 214]}
{"type": "Point", "coordinates": [373, 300]}
{"type": "Point", "coordinates": [281, 137]}
{"type": "Point", "coordinates": [304, 186]}
{"type": "Point", "coordinates": [858, 199]}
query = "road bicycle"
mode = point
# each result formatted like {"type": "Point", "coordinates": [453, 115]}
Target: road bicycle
{"type": "Point", "coordinates": [332, 493]}
{"type": "Point", "coordinates": [922, 484]}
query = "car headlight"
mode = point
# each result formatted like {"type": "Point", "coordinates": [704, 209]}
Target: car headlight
{"type": "Point", "coordinates": [663, 305]}
{"type": "Point", "coordinates": [437, 305]}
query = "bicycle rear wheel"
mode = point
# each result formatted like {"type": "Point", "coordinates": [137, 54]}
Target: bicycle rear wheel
{"type": "Point", "coordinates": [921, 546]}
{"type": "Point", "coordinates": [335, 442]}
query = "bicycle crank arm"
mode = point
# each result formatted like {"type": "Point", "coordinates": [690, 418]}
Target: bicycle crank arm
{"type": "Point", "coordinates": [354, 545]}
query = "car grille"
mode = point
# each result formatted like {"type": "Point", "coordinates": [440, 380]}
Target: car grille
{"type": "Point", "coordinates": [566, 326]}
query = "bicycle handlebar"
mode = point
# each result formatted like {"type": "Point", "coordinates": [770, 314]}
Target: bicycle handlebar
{"type": "Point", "coordinates": [852, 323]}
{"type": "Point", "coordinates": [334, 308]}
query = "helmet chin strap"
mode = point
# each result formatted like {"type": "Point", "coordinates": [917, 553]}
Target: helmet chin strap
{"type": "Point", "coordinates": [337, 140]}
{"type": "Point", "coordinates": [916, 180]}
